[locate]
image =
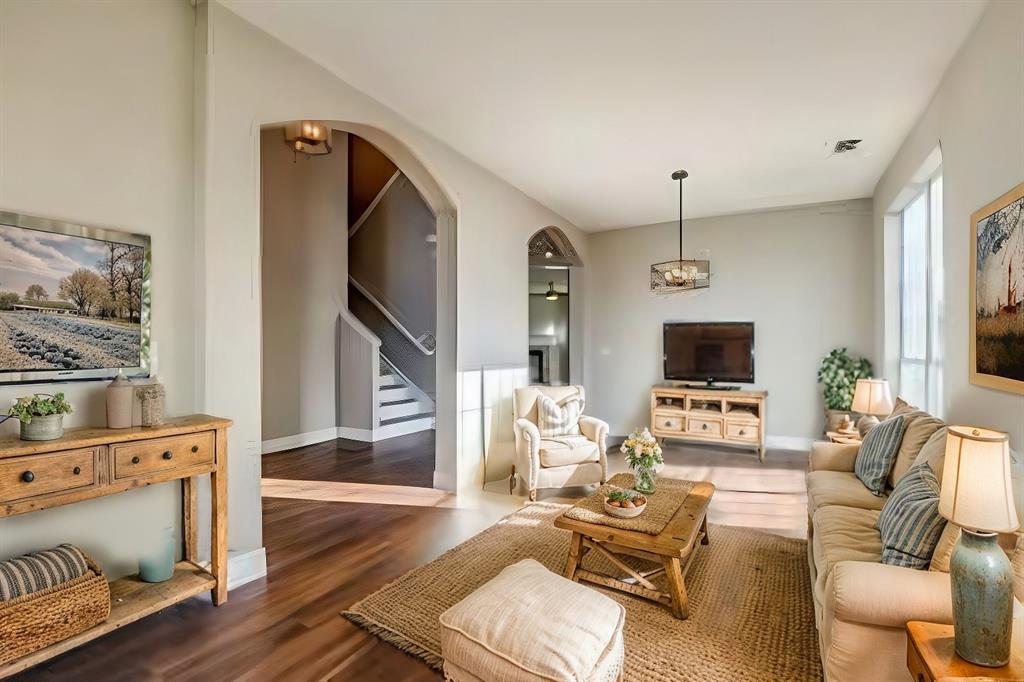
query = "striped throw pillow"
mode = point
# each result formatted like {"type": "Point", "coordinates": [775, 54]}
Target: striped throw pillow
{"type": "Point", "coordinates": [36, 572]}
{"type": "Point", "coordinates": [559, 418]}
{"type": "Point", "coordinates": [878, 453]}
{"type": "Point", "coordinates": [910, 523]}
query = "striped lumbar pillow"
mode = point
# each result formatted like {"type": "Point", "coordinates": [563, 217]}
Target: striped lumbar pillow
{"type": "Point", "coordinates": [42, 570]}
{"type": "Point", "coordinates": [878, 453]}
{"type": "Point", "coordinates": [910, 523]}
{"type": "Point", "coordinates": [561, 418]}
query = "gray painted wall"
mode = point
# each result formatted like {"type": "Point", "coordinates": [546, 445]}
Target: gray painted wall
{"type": "Point", "coordinates": [304, 283]}
{"type": "Point", "coordinates": [977, 116]}
{"type": "Point", "coordinates": [801, 275]}
{"type": "Point", "coordinates": [122, 159]}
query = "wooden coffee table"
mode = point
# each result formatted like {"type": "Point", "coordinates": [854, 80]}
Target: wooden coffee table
{"type": "Point", "coordinates": [674, 548]}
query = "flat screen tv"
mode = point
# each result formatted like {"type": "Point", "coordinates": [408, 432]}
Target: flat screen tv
{"type": "Point", "coordinates": [709, 351]}
{"type": "Point", "coordinates": [74, 301]}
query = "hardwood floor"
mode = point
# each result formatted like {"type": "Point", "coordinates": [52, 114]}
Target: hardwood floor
{"type": "Point", "coordinates": [324, 556]}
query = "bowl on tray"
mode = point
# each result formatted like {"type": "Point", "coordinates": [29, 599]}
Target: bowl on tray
{"type": "Point", "coordinates": [625, 504]}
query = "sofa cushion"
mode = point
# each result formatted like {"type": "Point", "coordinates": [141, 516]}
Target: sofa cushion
{"type": "Point", "coordinates": [910, 524]}
{"type": "Point", "coordinates": [878, 453]}
{"type": "Point", "coordinates": [901, 406]}
{"type": "Point", "coordinates": [528, 623]}
{"type": "Point", "coordinates": [920, 427]}
{"type": "Point", "coordinates": [557, 452]}
{"type": "Point", "coordinates": [843, 534]}
{"type": "Point", "coordinates": [843, 488]}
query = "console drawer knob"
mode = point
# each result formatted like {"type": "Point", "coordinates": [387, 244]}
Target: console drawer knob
{"type": "Point", "coordinates": [28, 477]}
{"type": "Point", "coordinates": [76, 471]}
{"type": "Point", "coordinates": [704, 426]}
{"type": "Point", "coordinates": [135, 459]}
{"type": "Point", "coordinates": [168, 454]}
{"type": "Point", "coordinates": [195, 448]}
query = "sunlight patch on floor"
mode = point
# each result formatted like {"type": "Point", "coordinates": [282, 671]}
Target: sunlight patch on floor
{"type": "Point", "coordinates": [362, 493]}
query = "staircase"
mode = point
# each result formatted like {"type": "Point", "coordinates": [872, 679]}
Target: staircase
{"type": "Point", "coordinates": [401, 406]}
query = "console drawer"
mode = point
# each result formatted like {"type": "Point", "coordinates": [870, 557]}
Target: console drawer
{"type": "Point", "coordinates": [741, 430]}
{"type": "Point", "coordinates": [704, 427]}
{"type": "Point", "coordinates": [668, 422]}
{"type": "Point", "coordinates": [150, 457]}
{"type": "Point", "coordinates": [57, 472]}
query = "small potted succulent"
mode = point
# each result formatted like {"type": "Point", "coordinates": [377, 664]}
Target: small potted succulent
{"type": "Point", "coordinates": [625, 504]}
{"type": "Point", "coordinates": [41, 415]}
{"type": "Point", "coordinates": [643, 454]}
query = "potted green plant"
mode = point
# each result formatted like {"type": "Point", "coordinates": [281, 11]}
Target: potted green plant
{"type": "Point", "coordinates": [838, 376]}
{"type": "Point", "coordinates": [41, 415]}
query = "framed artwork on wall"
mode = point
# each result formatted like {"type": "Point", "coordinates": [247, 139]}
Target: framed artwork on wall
{"type": "Point", "coordinates": [997, 293]}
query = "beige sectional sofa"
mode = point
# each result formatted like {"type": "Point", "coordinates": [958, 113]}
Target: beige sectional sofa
{"type": "Point", "coordinates": [862, 605]}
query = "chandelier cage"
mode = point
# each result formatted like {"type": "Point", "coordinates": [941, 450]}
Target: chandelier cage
{"type": "Point", "coordinates": [680, 274]}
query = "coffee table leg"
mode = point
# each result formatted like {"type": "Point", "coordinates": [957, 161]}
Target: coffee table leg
{"type": "Point", "coordinates": [676, 588]}
{"type": "Point", "coordinates": [704, 529]}
{"type": "Point", "coordinates": [573, 562]}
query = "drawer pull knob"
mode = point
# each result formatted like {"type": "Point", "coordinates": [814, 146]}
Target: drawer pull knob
{"type": "Point", "coordinates": [742, 432]}
{"type": "Point", "coordinates": [135, 459]}
{"type": "Point", "coordinates": [668, 423]}
{"type": "Point", "coordinates": [168, 454]}
{"type": "Point", "coordinates": [195, 448]}
{"type": "Point", "coordinates": [704, 426]}
{"type": "Point", "coordinates": [28, 477]}
{"type": "Point", "coordinates": [76, 471]}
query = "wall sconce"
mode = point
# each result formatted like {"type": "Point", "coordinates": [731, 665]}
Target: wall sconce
{"type": "Point", "coordinates": [311, 138]}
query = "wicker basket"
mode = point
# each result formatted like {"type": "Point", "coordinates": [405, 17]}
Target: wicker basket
{"type": "Point", "coordinates": [35, 621]}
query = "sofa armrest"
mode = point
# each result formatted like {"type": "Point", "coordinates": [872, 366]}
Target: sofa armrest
{"type": "Point", "coordinates": [887, 596]}
{"type": "Point", "coordinates": [833, 456]}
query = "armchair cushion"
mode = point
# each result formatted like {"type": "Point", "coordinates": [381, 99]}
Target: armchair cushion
{"type": "Point", "coordinates": [842, 488]}
{"type": "Point", "coordinates": [556, 452]}
{"type": "Point", "coordinates": [559, 417]}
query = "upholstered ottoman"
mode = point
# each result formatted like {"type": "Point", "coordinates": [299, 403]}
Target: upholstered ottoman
{"type": "Point", "coordinates": [529, 624]}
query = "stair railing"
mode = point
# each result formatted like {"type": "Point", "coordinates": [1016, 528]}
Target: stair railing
{"type": "Point", "coordinates": [425, 343]}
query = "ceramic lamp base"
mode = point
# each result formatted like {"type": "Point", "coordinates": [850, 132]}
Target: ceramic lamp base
{"type": "Point", "coordinates": [982, 583]}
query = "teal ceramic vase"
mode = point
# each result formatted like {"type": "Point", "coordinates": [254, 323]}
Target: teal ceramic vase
{"type": "Point", "coordinates": [982, 583]}
{"type": "Point", "coordinates": [156, 565]}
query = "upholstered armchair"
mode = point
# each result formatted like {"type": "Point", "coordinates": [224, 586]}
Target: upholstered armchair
{"type": "Point", "coordinates": [558, 461]}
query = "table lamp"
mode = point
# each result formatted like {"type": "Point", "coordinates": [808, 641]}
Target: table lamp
{"type": "Point", "coordinates": [977, 495]}
{"type": "Point", "coordinates": [872, 399]}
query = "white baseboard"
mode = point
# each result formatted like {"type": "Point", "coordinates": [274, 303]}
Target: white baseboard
{"type": "Point", "coordinates": [797, 443]}
{"type": "Point", "coordinates": [244, 568]}
{"type": "Point", "coordinates": [298, 440]}
{"type": "Point", "coordinates": [385, 432]}
{"type": "Point", "coordinates": [365, 435]}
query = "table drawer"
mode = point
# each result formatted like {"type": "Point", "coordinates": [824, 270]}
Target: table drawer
{"type": "Point", "coordinates": [152, 457]}
{"type": "Point", "coordinates": [704, 427]}
{"type": "Point", "coordinates": [741, 431]}
{"type": "Point", "coordinates": [35, 475]}
{"type": "Point", "coordinates": [668, 422]}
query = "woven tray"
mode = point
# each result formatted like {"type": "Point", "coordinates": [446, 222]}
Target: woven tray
{"type": "Point", "coordinates": [35, 621]}
{"type": "Point", "coordinates": [662, 505]}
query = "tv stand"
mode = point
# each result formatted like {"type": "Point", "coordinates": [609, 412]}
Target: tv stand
{"type": "Point", "coordinates": [719, 414]}
{"type": "Point", "coordinates": [711, 386]}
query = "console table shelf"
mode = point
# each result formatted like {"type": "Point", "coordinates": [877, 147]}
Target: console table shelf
{"type": "Point", "coordinates": [96, 462]}
{"type": "Point", "coordinates": [703, 415]}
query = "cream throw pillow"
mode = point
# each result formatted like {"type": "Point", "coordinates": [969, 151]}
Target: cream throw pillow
{"type": "Point", "coordinates": [561, 418]}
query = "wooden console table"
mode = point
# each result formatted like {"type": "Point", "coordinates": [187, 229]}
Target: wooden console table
{"type": "Point", "coordinates": [709, 416]}
{"type": "Point", "coordinates": [95, 462]}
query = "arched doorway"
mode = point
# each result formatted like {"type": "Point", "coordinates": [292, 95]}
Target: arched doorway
{"type": "Point", "coordinates": [357, 365]}
{"type": "Point", "coordinates": [555, 338]}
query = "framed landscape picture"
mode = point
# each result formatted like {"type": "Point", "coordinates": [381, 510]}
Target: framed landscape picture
{"type": "Point", "coordinates": [997, 293]}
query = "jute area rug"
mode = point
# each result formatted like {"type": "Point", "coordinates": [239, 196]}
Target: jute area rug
{"type": "Point", "coordinates": [751, 614]}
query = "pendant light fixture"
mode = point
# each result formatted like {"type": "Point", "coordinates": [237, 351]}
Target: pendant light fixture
{"type": "Point", "coordinates": [311, 138]}
{"type": "Point", "coordinates": [680, 274]}
{"type": "Point", "coordinates": [551, 295]}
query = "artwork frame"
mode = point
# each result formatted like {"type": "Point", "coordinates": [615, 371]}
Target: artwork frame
{"type": "Point", "coordinates": [996, 270]}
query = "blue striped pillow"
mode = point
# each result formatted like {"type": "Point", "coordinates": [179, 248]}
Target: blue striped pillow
{"type": "Point", "coordinates": [878, 453]}
{"type": "Point", "coordinates": [910, 523]}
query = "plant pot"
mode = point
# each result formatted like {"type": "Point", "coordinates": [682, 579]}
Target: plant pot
{"type": "Point", "coordinates": [833, 417]}
{"type": "Point", "coordinates": [49, 427]}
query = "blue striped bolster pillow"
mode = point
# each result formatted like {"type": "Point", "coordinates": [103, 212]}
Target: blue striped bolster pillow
{"type": "Point", "coordinates": [42, 570]}
{"type": "Point", "coordinates": [878, 453]}
{"type": "Point", "coordinates": [910, 523]}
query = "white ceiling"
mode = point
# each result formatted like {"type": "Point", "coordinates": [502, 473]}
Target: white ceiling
{"type": "Point", "coordinates": [589, 106]}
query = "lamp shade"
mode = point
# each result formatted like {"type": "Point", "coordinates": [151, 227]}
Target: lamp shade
{"type": "Point", "coordinates": [872, 397]}
{"type": "Point", "coordinates": [977, 490]}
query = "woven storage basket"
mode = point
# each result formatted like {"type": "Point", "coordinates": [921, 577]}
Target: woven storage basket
{"type": "Point", "coordinates": [35, 621]}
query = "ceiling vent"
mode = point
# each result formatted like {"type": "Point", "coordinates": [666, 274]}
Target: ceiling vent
{"type": "Point", "coordinates": [843, 146]}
